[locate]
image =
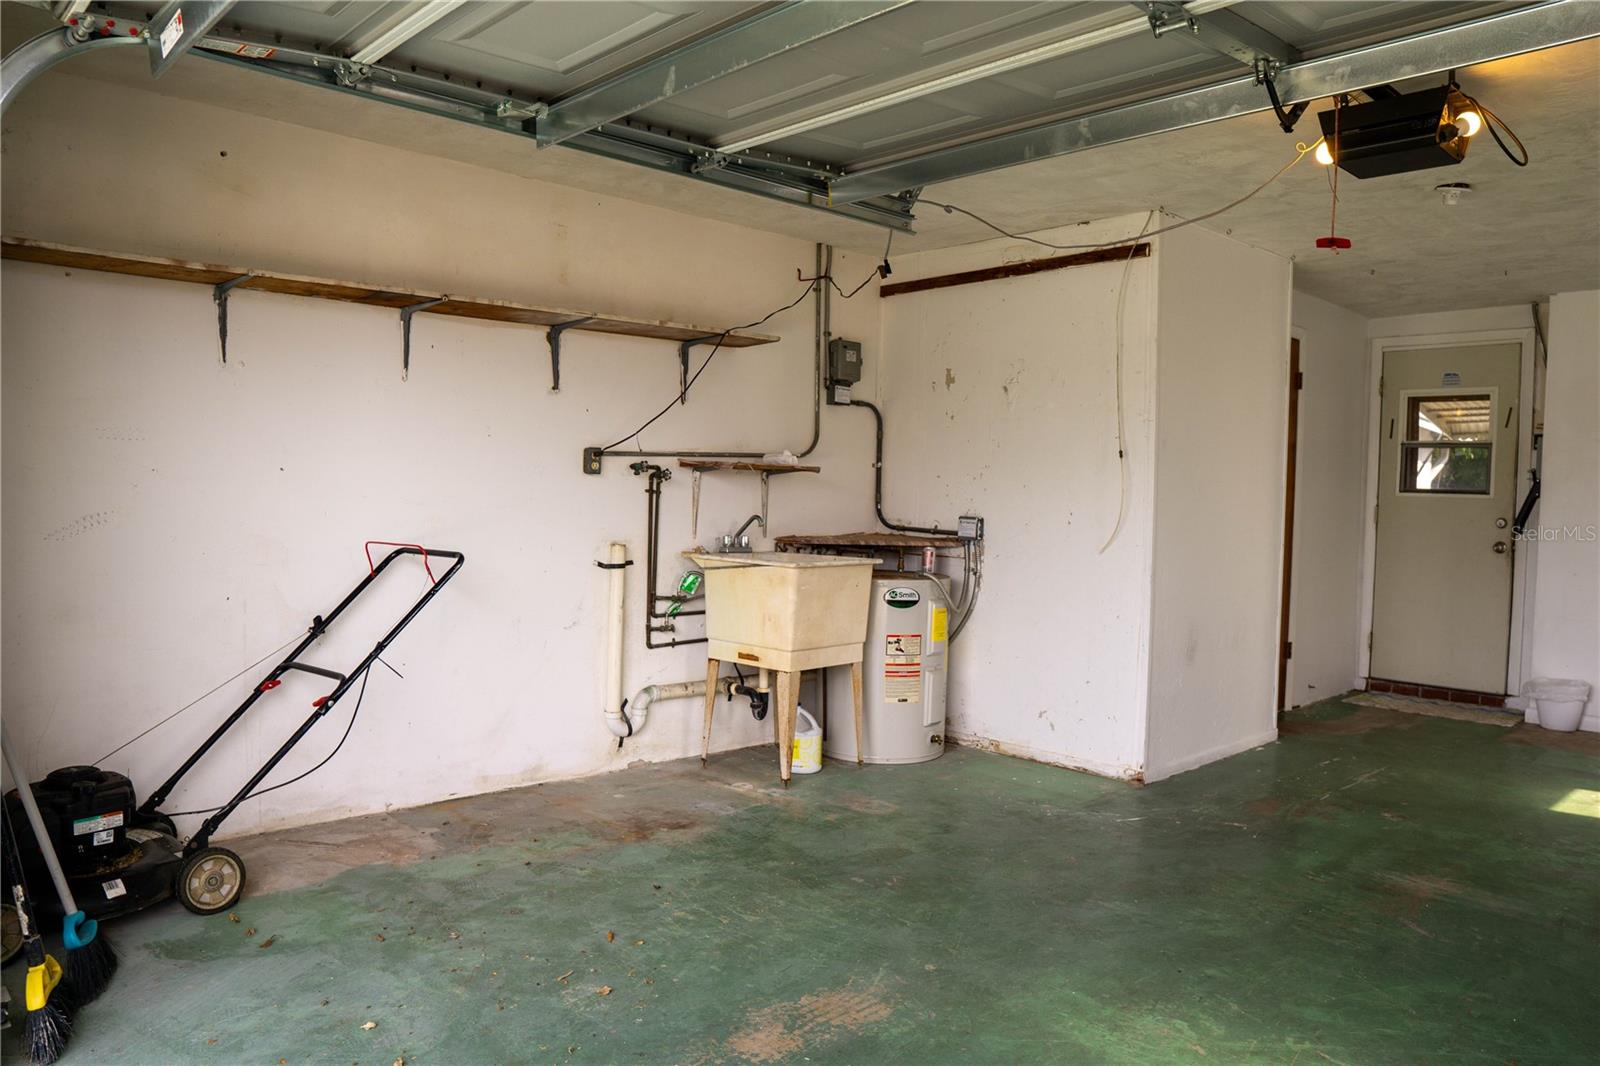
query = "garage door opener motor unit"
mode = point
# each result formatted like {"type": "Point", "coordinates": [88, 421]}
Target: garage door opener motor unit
{"type": "Point", "coordinates": [120, 856]}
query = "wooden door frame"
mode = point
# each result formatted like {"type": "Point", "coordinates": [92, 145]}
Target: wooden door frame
{"type": "Point", "coordinates": [1290, 464]}
{"type": "Point", "coordinates": [1521, 564]}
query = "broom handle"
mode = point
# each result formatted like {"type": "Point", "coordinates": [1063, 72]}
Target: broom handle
{"type": "Point", "coordinates": [46, 847]}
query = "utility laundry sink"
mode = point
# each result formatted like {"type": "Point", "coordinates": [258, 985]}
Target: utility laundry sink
{"type": "Point", "coordinates": [785, 611]}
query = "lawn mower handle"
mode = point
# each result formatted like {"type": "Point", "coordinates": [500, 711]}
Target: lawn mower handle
{"type": "Point", "coordinates": [319, 625]}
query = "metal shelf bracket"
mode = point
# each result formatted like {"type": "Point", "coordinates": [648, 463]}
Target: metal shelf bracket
{"type": "Point", "coordinates": [683, 363]}
{"type": "Point", "coordinates": [553, 337]}
{"type": "Point", "coordinates": [405, 332]}
{"type": "Point", "coordinates": [219, 293]}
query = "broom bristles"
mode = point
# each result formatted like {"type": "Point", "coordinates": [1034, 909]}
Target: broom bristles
{"type": "Point", "coordinates": [89, 970]}
{"type": "Point", "coordinates": [46, 1032]}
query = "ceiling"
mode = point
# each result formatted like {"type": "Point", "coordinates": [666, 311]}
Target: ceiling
{"type": "Point", "coordinates": [1519, 234]}
{"type": "Point", "coordinates": [552, 51]}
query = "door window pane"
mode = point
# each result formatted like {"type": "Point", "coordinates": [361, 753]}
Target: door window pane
{"type": "Point", "coordinates": [1448, 445]}
{"type": "Point", "coordinates": [1451, 418]}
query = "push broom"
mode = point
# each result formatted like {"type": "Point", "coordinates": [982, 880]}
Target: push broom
{"type": "Point", "coordinates": [48, 1024]}
{"type": "Point", "coordinates": [91, 961]}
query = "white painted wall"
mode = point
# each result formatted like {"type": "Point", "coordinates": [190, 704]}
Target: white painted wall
{"type": "Point", "coordinates": [1461, 320]}
{"type": "Point", "coordinates": [168, 520]}
{"type": "Point", "coordinates": [1000, 401]}
{"type": "Point", "coordinates": [1566, 601]}
{"type": "Point", "coordinates": [1324, 601]}
{"type": "Point", "coordinates": [1221, 414]}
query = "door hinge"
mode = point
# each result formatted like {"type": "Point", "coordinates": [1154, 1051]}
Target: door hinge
{"type": "Point", "coordinates": [1374, 514]}
{"type": "Point", "coordinates": [1369, 642]}
{"type": "Point", "coordinates": [1288, 649]}
{"type": "Point", "coordinates": [1299, 379]}
{"type": "Point", "coordinates": [1380, 386]}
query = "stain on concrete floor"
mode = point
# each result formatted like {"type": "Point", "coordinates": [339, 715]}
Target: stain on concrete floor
{"type": "Point", "coordinates": [1397, 889]}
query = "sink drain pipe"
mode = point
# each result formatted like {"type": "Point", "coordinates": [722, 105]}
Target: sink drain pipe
{"type": "Point", "coordinates": [638, 708]}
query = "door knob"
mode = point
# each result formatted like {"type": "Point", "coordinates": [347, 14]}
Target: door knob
{"type": "Point", "coordinates": [1500, 547]}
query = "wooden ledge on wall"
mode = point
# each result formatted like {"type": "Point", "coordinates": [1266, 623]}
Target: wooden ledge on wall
{"type": "Point", "coordinates": [1120, 253]}
{"type": "Point", "coordinates": [144, 266]}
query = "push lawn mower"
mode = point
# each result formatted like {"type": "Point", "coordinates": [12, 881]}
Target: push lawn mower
{"type": "Point", "coordinates": [121, 856]}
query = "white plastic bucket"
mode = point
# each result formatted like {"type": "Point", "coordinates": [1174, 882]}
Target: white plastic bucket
{"type": "Point", "coordinates": [1559, 702]}
{"type": "Point", "coordinates": [807, 755]}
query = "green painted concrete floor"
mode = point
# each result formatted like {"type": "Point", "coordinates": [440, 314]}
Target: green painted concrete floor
{"type": "Point", "coordinates": [1375, 888]}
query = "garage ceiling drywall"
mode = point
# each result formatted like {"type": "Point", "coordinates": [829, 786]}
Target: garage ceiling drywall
{"type": "Point", "coordinates": [1519, 235]}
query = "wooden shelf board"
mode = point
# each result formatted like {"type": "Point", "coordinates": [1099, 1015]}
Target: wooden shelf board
{"type": "Point", "coordinates": [756, 468]}
{"type": "Point", "coordinates": [1117, 254]}
{"type": "Point", "coordinates": [144, 266]}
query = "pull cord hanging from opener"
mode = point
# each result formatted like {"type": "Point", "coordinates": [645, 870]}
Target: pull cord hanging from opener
{"type": "Point", "coordinates": [1333, 240]}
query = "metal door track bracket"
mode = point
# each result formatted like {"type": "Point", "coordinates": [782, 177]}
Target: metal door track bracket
{"type": "Point", "coordinates": [683, 363]}
{"type": "Point", "coordinates": [709, 161]}
{"type": "Point", "coordinates": [219, 293]}
{"type": "Point", "coordinates": [553, 336]}
{"type": "Point", "coordinates": [405, 332]}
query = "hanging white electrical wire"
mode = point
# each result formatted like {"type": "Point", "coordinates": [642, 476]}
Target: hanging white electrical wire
{"type": "Point", "coordinates": [1122, 444]}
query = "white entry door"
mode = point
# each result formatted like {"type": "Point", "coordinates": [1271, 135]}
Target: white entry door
{"type": "Point", "coordinates": [1447, 461]}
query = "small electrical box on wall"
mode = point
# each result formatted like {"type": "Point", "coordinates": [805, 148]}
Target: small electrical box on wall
{"type": "Point", "coordinates": [844, 369]}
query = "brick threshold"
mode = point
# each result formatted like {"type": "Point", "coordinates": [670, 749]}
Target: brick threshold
{"type": "Point", "coordinates": [1436, 692]}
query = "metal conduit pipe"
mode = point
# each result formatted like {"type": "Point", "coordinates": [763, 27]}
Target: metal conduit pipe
{"type": "Point", "coordinates": [824, 323]}
{"type": "Point", "coordinates": [877, 482]}
{"type": "Point", "coordinates": [824, 261]}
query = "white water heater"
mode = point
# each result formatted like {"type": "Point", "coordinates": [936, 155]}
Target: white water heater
{"type": "Point", "coordinates": [903, 675]}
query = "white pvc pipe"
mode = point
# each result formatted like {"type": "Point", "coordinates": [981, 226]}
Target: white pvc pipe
{"type": "Point", "coordinates": [614, 620]}
{"type": "Point", "coordinates": [624, 724]}
{"type": "Point", "coordinates": [639, 706]}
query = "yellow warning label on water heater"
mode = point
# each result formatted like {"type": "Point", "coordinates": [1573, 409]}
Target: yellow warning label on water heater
{"type": "Point", "coordinates": [940, 617]}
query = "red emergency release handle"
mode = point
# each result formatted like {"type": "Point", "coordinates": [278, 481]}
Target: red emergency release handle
{"type": "Point", "coordinates": [397, 544]}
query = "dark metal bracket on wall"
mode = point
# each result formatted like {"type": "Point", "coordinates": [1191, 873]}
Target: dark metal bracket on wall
{"type": "Point", "coordinates": [220, 294]}
{"type": "Point", "coordinates": [683, 364]}
{"type": "Point", "coordinates": [405, 333]}
{"type": "Point", "coordinates": [553, 338]}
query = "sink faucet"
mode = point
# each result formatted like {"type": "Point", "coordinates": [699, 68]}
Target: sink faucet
{"type": "Point", "coordinates": [738, 542]}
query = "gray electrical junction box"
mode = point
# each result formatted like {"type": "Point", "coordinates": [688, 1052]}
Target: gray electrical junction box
{"type": "Point", "coordinates": [844, 362]}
